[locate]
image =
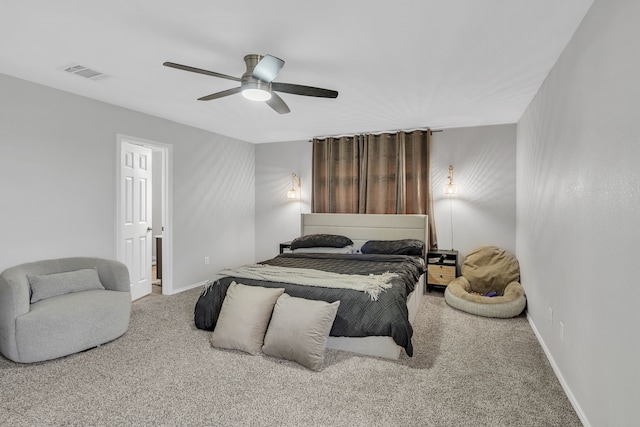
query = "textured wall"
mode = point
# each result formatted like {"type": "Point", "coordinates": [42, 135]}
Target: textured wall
{"type": "Point", "coordinates": [278, 218]}
{"type": "Point", "coordinates": [57, 182]}
{"type": "Point", "coordinates": [483, 210]}
{"type": "Point", "coordinates": [578, 227]}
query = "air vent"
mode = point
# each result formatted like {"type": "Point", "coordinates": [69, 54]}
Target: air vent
{"type": "Point", "coordinates": [85, 72]}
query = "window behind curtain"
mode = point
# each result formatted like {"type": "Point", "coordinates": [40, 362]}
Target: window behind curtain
{"type": "Point", "coordinates": [381, 174]}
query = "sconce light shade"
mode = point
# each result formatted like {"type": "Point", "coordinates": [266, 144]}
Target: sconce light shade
{"type": "Point", "coordinates": [450, 188]}
{"type": "Point", "coordinates": [293, 194]}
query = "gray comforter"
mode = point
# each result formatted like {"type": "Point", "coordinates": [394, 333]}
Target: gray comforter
{"type": "Point", "coordinates": [358, 315]}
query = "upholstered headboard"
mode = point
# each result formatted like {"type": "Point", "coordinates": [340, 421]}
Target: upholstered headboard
{"type": "Point", "coordinates": [363, 227]}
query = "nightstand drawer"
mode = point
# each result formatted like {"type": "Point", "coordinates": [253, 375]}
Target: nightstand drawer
{"type": "Point", "coordinates": [449, 270]}
{"type": "Point", "coordinates": [440, 274]}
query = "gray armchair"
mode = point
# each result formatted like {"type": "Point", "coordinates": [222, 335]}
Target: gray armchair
{"type": "Point", "coordinates": [53, 308]}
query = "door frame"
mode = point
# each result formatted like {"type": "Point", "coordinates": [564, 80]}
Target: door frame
{"type": "Point", "coordinates": [167, 204]}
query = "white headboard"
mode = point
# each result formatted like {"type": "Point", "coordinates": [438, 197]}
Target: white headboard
{"type": "Point", "coordinates": [363, 227]}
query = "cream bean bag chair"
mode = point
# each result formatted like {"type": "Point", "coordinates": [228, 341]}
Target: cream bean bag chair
{"type": "Point", "coordinates": [488, 270]}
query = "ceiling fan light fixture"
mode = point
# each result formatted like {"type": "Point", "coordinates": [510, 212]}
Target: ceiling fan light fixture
{"type": "Point", "coordinates": [256, 94]}
{"type": "Point", "coordinates": [255, 89]}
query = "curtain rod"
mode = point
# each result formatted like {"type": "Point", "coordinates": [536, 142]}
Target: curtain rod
{"type": "Point", "coordinates": [375, 133]}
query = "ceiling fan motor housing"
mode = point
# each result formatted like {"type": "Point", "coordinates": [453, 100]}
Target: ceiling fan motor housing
{"type": "Point", "coordinates": [252, 86]}
{"type": "Point", "coordinates": [251, 61]}
{"type": "Point", "coordinates": [250, 82]}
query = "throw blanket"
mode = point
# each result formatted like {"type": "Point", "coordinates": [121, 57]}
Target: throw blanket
{"type": "Point", "coordinates": [372, 284]}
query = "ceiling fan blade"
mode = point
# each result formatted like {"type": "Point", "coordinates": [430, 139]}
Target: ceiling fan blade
{"type": "Point", "coordinates": [199, 71]}
{"type": "Point", "coordinates": [277, 104]}
{"type": "Point", "coordinates": [268, 68]}
{"type": "Point", "coordinates": [304, 90]}
{"type": "Point", "coordinates": [220, 94]}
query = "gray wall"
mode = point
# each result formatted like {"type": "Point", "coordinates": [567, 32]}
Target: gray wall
{"type": "Point", "coordinates": [278, 218]}
{"type": "Point", "coordinates": [483, 210]}
{"type": "Point", "coordinates": [484, 159]}
{"type": "Point", "coordinates": [578, 227]}
{"type": "Point", "coordinates": [57, 182]}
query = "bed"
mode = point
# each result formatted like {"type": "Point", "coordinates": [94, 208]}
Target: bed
{"type": "Point", "coordinates": [379, 327]}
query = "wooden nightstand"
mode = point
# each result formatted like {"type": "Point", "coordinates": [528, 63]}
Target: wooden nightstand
{"type": "Point", "coordinates": [442, 268]}
{"type": "Point", "coordinates": [285, 246]}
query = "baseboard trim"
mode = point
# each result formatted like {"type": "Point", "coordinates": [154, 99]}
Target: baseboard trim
{"type": "Point", "coordinates": [556, 370]}
{"type": "Point", "coordinates": [188, 287]}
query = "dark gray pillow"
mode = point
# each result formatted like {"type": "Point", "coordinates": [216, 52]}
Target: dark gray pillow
{"type": "Point", "coordinates": [393, 247]}
{"type": "Point", "coordinates": [51, 285]}
{"type": "Point", "coordinates": [321, 240]}
{"type": "Point", "coordinates": [324, 250]}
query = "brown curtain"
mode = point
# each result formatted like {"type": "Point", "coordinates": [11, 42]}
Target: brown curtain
{"type": "Point", "coordinates": [383, 174]}
{"type": "Point", "coordinates": [336, 175]}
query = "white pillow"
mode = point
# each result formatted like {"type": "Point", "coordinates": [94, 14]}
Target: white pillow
{"type": "Point", "coordinates": [244, 317]}
{"type": "Point", "coordinates": [324, 250]}
{"type": "Point", "coordinates": [299, 329]}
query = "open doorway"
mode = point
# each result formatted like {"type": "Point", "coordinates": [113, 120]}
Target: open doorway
{"type": "Point", "coordinates": [144, 224]}
{"type": "Point", "coordinates": [157, 198]}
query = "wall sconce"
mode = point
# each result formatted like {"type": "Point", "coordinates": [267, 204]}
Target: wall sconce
{"type": "Point", "coordinates": [450, 188]}
{"type": "Point", "coordinates": [293, 194]}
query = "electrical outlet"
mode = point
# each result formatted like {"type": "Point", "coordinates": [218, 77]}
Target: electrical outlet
{"type": "Point", "coordinates": [561, 331]}
{"type": "Point", "coordinates": [550, 316]}
{"type": "Point", "coordinates": [206, 260]}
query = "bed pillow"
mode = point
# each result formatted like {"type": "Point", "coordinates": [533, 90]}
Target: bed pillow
{"type": "Point", "coordinates": [244, 317]}
{"type": "Point", "coordinates": [51, 285]}
{"type": "Point", "coordinates": [299, 329]}
{"type": "Point", "coordinates": [321, 240]}
{"type": "Point", "coordinates": [393, 247]}
{"type": "Point", "coordinates": [325, 250]}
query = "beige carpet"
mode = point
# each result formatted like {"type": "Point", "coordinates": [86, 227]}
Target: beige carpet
{"type": "Point", "coordinates": [466, 371]}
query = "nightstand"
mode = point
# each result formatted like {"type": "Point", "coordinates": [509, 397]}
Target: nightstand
{"type": "Point", "coordinates": [442, 268]}
{"type": "Point", "coordinates": [285, 246]}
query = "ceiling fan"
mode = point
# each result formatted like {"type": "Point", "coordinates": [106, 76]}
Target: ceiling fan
{"type": "Point", "coordinates": [257, 82]}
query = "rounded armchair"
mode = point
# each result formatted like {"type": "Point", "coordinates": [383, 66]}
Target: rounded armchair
{"type": "Point", "coordinates": [54, 308]}
{"type": "Point", "coordinates": [489, 285]}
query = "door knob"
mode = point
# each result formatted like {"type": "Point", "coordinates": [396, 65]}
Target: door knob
{"type": "Point", "coordinates": [149, 229]}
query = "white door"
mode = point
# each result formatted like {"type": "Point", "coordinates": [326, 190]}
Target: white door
{"type": "Point", "coordinates": [135, 216]}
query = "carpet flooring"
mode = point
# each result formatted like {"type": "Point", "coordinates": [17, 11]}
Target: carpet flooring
{"type": "Point", "coordinates": [466, 371]}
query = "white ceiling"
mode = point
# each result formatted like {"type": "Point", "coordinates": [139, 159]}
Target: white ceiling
{"type": "Point", "coordinates": [400, 64]}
